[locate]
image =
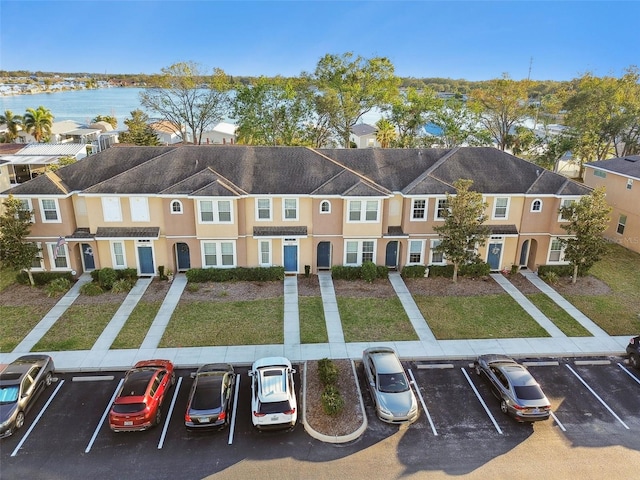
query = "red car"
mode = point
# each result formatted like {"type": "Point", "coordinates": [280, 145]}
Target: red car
{"type": "Point", "coordinates": [138, 403]}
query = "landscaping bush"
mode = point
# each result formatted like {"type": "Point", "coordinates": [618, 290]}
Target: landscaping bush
{"type": "Point", "coordinates": [257, 274]}
{"type": "Point", "coordinates": [327, 371]}
{"type": "Point", "coordinates": [474, 270]}
{"type": "Point", "coordinates": [340, 272]}
{"type": "Point", "coordinates": [58, 286]}
{"type": "Point", "coordinates": [107, 277]}
{"type": "Point", "coordinates": [128, 274]}
{"type": "Point", "coordinates": [91, 289]}
{"type": "Point", "coordinates": [122, 285]}
{"type": "Point", "coordinates": [369, 271]}
{"type": "Point", "coordinates": [42, 278]}
{"type": "Point", "coordinates": [560, 270]}
{"type": "Point", "coordinates": [332, 401]}
{"type": "Point", "coordinates": [383, 272]}
{"type": "Point", "coordinates": [550, 277]}
{"type": "Point", "coordinates": [441, 271]}
{"type": "Point", "coordinates": [413, 271]}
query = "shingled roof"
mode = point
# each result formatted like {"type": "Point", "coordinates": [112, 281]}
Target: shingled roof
{"type": "Point", "coordinates": [628, 166]}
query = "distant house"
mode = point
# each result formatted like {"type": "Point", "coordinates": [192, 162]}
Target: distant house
{"type": "Point", "coordinates": [222, 133]}
{"type": "Point", "coordinates": [364, 136]}
{"type": "Point", "coordinates": [621, 179]}
{"type": "Point", "coordinates": [167, 133]}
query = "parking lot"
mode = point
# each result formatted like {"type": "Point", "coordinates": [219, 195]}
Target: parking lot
{"type": "Point", "coordinates": [595, 404]}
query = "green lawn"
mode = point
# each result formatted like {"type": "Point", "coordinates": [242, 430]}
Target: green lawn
{"type": "Point", "coordinates": [617, 312]}
{"type": "Point", "coordinates": [313, 328]}
{"type": "Point", "coordinates": [137, 325]}
{"type": "Point", "coordinates": [198, 324]}
{"type": "Point", "coordinates": [374, 320]}
{"type": "Point", "coordinates": [16, 323]}
{"type": "Point", "coordinates": [7, 277]}
{"type": "Point", "coordinates": [565, 322]}
{"type": "Point", "coordinates": [78, 328]}
{"type": "Point", "coordinates": [487, 316]}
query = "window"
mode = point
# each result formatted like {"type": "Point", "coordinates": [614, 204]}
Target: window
{"type": "Point", "coordinates": [622, 221]}
{"type": "Point", "coordinates": [38, 261]}
{"type": "Point", "coordinates": [50, 212]}
{"type": "Point", "coordinates": [218, 254]}
{"type": "Point", "coordinates": [437, 258]}
{"type": "Point", "coordinates": [367, 210]}
{"type": "Point", "coordinates": [215, 211]}
{"type": "Point", "coordinates": [415, 251]}
{"type": "Point", "coordinates": [117, 255]}
{"type": "Point", "coordinates": [139, 209]}
{"type": "Point", "coordinates": [442, 209]}
{"type": "Point", "coordinates": [536, 205]}
{"type": "Point", "coordinates": [58, 255]}
{"type": "Point", "coordinates": [290, 206]}
{"type": "Point", "coordinates": [325, 206]}
{"type": "Point", "coordinates": [565, 203]}
{"type": "Point", "coordinates": [599, 173]}
{"type": "Point", "coordinates": [556, 251]}
{"type": "Point", "coordinates": [263, 206]}
{"type": "Point", "coordinates": [176, 207]}
{"type": "Point", "coordinates": [25, 204]}
{"type": "Point", "coordinates": [111, 209]}
{"type": "Point", "coordinates": [359, 251]}
{"type": "Point", "coordinates": [629, 183]}
{"type": "Point", "coordinates": [265, 253]}
{"type": "Point", "coordinates": [501, 208]}
{"type": "Point", "coordinates": [419, 209]}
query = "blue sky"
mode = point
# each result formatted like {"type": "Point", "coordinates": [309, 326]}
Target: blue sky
{"type": "Point", "coordinates": [474, 40]}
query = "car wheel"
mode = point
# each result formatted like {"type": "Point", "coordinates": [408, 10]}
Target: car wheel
{"type": "Point", "coordinates": [48, 379]}
{"type": "Point", "coordinates": [158, 417]}
{"type": "Point", "coordinates": [478, 371]}
{"type": "Point", "coordinates": [634, 360]}
{"type": "Point", "coordinates": [503, 407]}
{"type": "Point", "coordinates": [19, 420]}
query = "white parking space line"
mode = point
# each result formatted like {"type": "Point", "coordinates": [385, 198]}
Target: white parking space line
{"type": "Point", "coordinates": [95, 378]}
{"type": "Point", "coordinates": [424, 406]}
{"type": "Point", "coordinates": [541, 364]}
{"type": "Point", "coordinates": [232, 426]}
{"type": "Point", "coordinates": [592, 362]}
{"type": "Point", "coordinates": [168, 419]}
{"type": "Point", "coordinates": [104, 415]}
{"type": "Point", "coordinates": [597, 396]}
{"type": "Point", "coordinates": [626, 370]}
{"type": "Point", "coordinates": [26, 435]}
{"type": "Point", "coordinates": [553, 415]}
{"type": "Point", "coordinates": [484, 405]}
{"type": "Point", "coordinates": [434, 366]}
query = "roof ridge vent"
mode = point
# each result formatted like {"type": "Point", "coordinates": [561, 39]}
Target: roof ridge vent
{"type": "Point", "coordinates": [632, 159]}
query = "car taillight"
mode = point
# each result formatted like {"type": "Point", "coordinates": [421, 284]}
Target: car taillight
{"type": "Point", "coordinates": [187, 417]}
{"type": "Point", "coordinates": [518, 407]}
{"type": "Point", "coordinates": [290, 412]}
{"type": "Point", "coordinates": [258, 414]}
{"type": "Point", "coordinates": [222, 415]}
{"type": "Point", "coordinates": [632, 341]}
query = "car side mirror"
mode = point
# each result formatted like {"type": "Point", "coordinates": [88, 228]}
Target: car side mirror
{"type": "Point", "coordinates": [250, 373]}
{"type": "Point", "coordinates": [193, 374]}
{"type": "Point", "coordinates": [373, 384]}
{"type": "Point", "coordinates": [293, 370]}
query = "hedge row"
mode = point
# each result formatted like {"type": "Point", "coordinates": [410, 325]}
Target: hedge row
{"type": "Point", "coordinates": [42, 278]}
{"type": "Point", "coordinates": [368, 271]}
{"type": "Point", "coordinates": [473, 270]}
{"type": "Point", "coordinates": [560, 270]}
{"type": "Point", "coordinates": [258, 274]}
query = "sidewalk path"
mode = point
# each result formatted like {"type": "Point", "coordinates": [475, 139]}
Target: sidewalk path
{"type": "Point", "coordinates": [154, 335]}
{"type": "Point", "coordinates": [529, 307]}
{"type": "Point", "coordinates": [413, 312]}
{"type": "Point", "coordinates": [52, 316]}
{"type": "Point", "coordinates": [112, 329]}
{"type": "Point", "coordinates": [291, 312]}
{"type": "Point", "coordinates": [580, 317]}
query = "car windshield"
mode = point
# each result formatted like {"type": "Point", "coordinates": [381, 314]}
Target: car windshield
{"type": "Point", "coordinates": [529, 392]}
{"type": "Point", "coordinates": [274, 407]}
{"type": "Point", "coordinates": [128, 407]}
{"type": "Point", "coordinates": [9, 394]}
{"type": "Point", "coordinates": [392, 382]}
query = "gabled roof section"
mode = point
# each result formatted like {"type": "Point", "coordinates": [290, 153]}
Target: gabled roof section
{"type": "Point", "coordinates": [42, 185]}
{"type": "Point", "coordinates": [628, 166]}
{"type": "Point", "coordinates": [363, 129]}
{"type": "Point", "coordinates": [364, 189]}
{"type": "Point", "coordinates": [198, 182]}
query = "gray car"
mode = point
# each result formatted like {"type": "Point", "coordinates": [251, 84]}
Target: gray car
{"type": "Point", "coordinates": [21, 382]}
{"type": "Point", "coordinates": [390, 390]}
{"type": "Point", "coordinates": [519, 393]}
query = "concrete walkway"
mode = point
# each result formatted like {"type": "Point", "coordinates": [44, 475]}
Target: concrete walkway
{"type": "Point", "coordinates": [413, 312]}
{"type": "Point", "coordinates": [154, 335]}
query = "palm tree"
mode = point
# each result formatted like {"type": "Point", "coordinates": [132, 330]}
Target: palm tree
{"type": "Point", "coordinates": [386, 132]}
{"type": "Point", "coordinates": [13, 122]}
{"type": "Point", "coordinates": [38, 122]}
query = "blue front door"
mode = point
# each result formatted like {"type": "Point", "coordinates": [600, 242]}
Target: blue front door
{"type": "Point", "coordinates": [495, 252]}
{"type": "Point", "coordinates": [324, 255]}
{"type": "Point", "coordinates": [87, 256]}
{"type": "Point", "coordinates": [184, 261]}
{"type": "Point", "coordinates": [392, 255]}
{"type": "Point", "coordinates": [145, 257]}
{"type": "Point", "coordinates": [291, 258]}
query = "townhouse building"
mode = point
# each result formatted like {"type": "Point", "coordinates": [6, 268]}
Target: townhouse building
{"type": "Point", "coordinates": [227, 206]}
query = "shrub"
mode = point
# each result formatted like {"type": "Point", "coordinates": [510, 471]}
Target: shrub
{"type": "Point", "coordinates": [258, 274]}
{"type": "Point", "coordinates": [369, 271]}
{"type": "Point", "coordinates": [441, 271]}
{"type": "Point", "coordinates": [550, 277]}
{"type": "Point", "coordinates": [413, 271]}
{"type": "Point", "coordinates": [193, 287]}
{"type": "Point", "coordinates": [106, 277]}
{"type": "Point", "coordinates": [383, 272]}
{"type": "Point", "coordinates": [58, 286]}
{"type": "Point", "coordinates": [561, 270]}
{"type": "Point", "coordinates": [122, 285]}
{"type": "Point", "coordinates": [332, 401]}
{"type": "Point", "coordinates": [474, 270]}
{"type": "Point", "coordinates": [327, 371]}
{"type": "Point", "coordinates": [42, 278]}
{"type": "Point", "coordinates": [128, 274]}
{"type": "Point", "coordinates": [340, 272]}
{"type": "Point", "coordinates": [91, 289]}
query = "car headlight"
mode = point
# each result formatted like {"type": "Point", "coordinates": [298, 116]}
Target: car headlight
{"type": "Point", "coordinates": [414, 406]}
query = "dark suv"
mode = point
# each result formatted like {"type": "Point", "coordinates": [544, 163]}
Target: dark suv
{"type": "Point", "coordinates": [633, 350]}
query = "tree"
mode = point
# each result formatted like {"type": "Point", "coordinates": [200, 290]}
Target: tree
{"type": "Point", "coordinates": [458, 123]}
{"type": "Point", "coordinates": [463, 230]}
{"type": "Point", "coordinates": [183, 96]}
{"type": "Point", "coordinates": [502, 103]}
{"type": "Point", "coordinates": [349, 87]}
{"type": "Point", "coordinates": [38, 122]}
{"type": "Point", "coordinates": [409, 111]}
{"type": "Point", "coordinates": [111, 120]}
{"type": "Point", "coordinates": [588, 219]}
{"type": "Point", "coordinates": [15, 227]}
{"type": "Point", "coordinates": [140, 132]}
{"type": "Point", "coordinates": [13, 123]}
{"type": "Point", "coordinates": [62, 162]}
{"type": "Point", "coordinates": [386, 133]}
{"type": "Point", "coordinates": [272, 112]}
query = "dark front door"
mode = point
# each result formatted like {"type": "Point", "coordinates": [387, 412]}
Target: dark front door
{"type": "Point", "coordinates": [87, 257]}
{"type": "Point", "coordinates": [291, 258]}
{"type": "Point", "coordinates": [392, 255]}
{"type": "Point", "coordinates": [145, 257]}
{"type": "Point", "coordinates": [495, 251]}
{"type": "Point", "coordinates": [523, 253]}
{"type": "Point", "coordinates": [184, 261]}
{"type": "Point", "coordinates": [324, 255]}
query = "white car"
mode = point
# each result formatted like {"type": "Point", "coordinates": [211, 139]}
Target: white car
{"type": "Point", "coordinates": [273, 394]}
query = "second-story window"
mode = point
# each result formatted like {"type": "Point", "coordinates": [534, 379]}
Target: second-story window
{"type": "Point", "coordinates": [111, 210]}
{"type": "Point", "coordinates": [363, 211]}
{"type": "Point", "coordinates": [263, 209]}
{"type": "Point", "coordinates": [418, 209]}
{"type": "Point", "coordinates": [622, 222]}
{"type": "Point", "coordinates": [565, 203]}
{"type": "Point", "coordinates": [442, 209]}
{"type": "Point", "coordinates": [290, 206]}
{"type": "Point", "coordinates": [501, 207]}
{"type": "Point", "coordinates": [536, 205]}
{"type": "Point", "coordinates": [215, 211]}
{"type": "Point", "coordinates": [325, 206]}
{"type": "Point", "coordinates": [176, 207]}
{"type": "Point", "coordinates": [50, 213]}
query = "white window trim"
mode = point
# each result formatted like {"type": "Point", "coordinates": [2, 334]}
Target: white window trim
{"type": "Point", "coordinates": [561, 261]}
{"type": "Point", "coordinates": [284, 210]}
{"type": "Point", "coordinates": [363, 210]}
{"type": "Point", "coordinates": [495, 206]}
{"type": "Point", "coordinates": [270, 261]}
{"type": "Point", "coordinates": [30, 208]}
{"type": "Point", "coordinates": [426, 210]}
{"type": "Point", "coordinates": [180, 212]}
{"type": "Point", "coordinates": [104, 210]}
{"type": "Point", "coordinates": [436, 209]}
{"type": "Point", "coordinates": [139, 216]}
{"type": "Point", "coordinates": [421, 260]}
{"type": "Point", "coordinates": [215, 205]}
{"type": "Point", "coordinates": [562, 204]}
{"type": "Point", "coordinates": [42, 215]}
{"type": "Point", "coordinates": [322, 203]}
{"type": "Point", "coordinates": [52, 261]}
{"type": "Point", "coordinates": [218, 244]}
{"type": "Point", "coordinates": [359, 251]}
{"type": "Point", "coordinates": [40, 256]}
{"type": "Point", "coordinates": [629, 183]}
{"type": "Point", "coordinates": [270, 200]}
{"type": "Point", "coordinates": [533, 202]}
{"type": "Point", "coordinates": [623, 224]}
{"type": "Point", "coordinates": [432, 246]}
{"type": "Point", "coordinates": [113, 255]}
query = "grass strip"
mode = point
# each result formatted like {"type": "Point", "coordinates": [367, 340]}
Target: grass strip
{"type": "Point", "coordinates": [374, 320]}
{"type": "Point", "coordinates": [313, 328]}
{"type": "Point", "coordinates": [561, 319]}
{"type": "Point", "coordinates": [16, 322]}
{"type": "Point", "coordinates": [137, 325]}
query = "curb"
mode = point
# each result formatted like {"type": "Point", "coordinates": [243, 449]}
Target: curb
{"type": "Point", "coordinates": [333, 438]}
